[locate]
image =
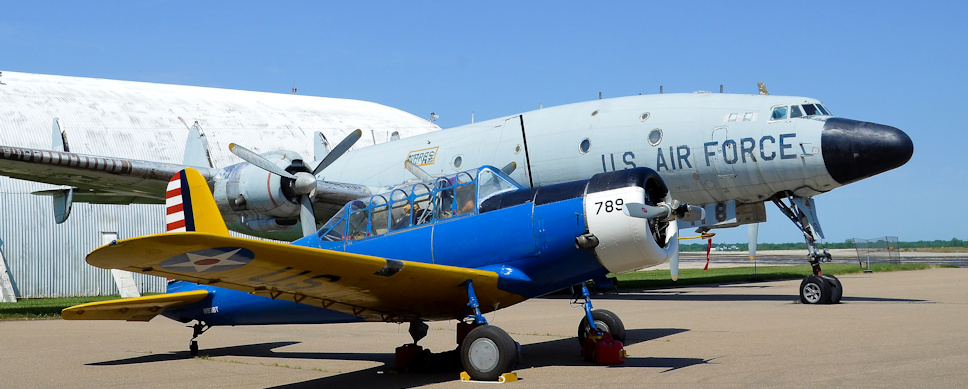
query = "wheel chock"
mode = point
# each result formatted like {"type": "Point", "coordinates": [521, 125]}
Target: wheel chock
{"type": "Point", "coordinates": [506, 377]}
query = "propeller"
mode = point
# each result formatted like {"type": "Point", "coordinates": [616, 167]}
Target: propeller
{"type": "Point", "coordinates": [684, 212]}
{"type": "Point", "coordinates": [303, 183]}
{"type": "Point", "coordinates": [672, 212]}
{"type": "Point", "coordinates": [421, 174]}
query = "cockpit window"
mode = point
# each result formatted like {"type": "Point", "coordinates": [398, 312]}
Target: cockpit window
{"type": "Point", "coordinates": [811, 110]}
{"type": "Point", "coordinates": [795, 112]}
{"type": "Point", "coordinates": [779, 113]}
{"type": "Point", "coordinates": [446, 197]}
{"type": "Point", "coordinates": [823, 109]}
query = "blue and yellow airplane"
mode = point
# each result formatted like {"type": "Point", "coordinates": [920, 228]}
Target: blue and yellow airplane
{"type": "Point", "coordinates": [453, 248]}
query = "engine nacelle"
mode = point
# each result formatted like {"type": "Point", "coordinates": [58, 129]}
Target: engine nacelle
{"type": "Point", "coordinates": [247, 190]}
{"type": "Point", "coordinates": [628, 243]}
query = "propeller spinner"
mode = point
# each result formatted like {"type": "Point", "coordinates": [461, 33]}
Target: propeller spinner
{"type": "Point", "coordinates": [302, 183]}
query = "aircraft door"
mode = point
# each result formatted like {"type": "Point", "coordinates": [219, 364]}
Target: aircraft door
{"type": "Point", "coordinates": [714, 162]}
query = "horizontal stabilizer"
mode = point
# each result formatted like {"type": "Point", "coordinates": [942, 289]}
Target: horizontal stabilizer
{"type": "Point", "coordinates": [132, 309]}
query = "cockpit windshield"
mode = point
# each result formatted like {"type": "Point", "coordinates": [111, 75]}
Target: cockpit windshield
{"type": "Point", "coordinates": [798, 110]}
{"type": "Point", "coordinates": [413, 205]}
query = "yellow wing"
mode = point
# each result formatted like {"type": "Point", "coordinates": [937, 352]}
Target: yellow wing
{"type": "Point", "coordinates": [374, 288]}
{"type": "Point", "coordinates": [132, 309]}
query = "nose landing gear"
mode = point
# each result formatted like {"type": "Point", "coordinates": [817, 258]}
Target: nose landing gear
{"type": "Point", "coordinates": [819, 288]}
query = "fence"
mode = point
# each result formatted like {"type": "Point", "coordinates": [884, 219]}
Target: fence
{"type": "Point", "coordinates": [883, 249]}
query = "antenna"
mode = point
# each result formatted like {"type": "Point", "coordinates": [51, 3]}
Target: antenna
{"type": "Point", "coordinates": [660, 89]}
{"type": "Point", "coordinates": [293, 87]}
{"type": "Point", "coordinates": [762, 87]}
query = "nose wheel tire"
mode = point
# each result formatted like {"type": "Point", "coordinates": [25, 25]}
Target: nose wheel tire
{"type": "Point", "coordinates": [606, 321]}
{"type": "Point", "coordinates": [487, 352]}
{"type": "Point", "coordinates": [836, 290]}
{"type": "Point", "coordinates": [816, 290]}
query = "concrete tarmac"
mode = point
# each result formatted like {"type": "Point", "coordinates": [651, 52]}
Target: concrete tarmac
{"type": "Point", "coordinates": [903, 329]}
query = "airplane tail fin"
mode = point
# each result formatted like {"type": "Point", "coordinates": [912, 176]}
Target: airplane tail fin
{"type": "Point", "coordinates": [189, 205]}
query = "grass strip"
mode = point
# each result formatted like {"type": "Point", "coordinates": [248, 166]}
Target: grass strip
{"type": "Point", "coordinates": [687, 277]}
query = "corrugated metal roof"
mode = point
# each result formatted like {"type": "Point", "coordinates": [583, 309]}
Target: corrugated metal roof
{"type": "Point", "coordinates": [149, 122]}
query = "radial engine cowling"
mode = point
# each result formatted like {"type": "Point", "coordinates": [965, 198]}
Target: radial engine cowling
{"type": "Point", "coordinates": [629, 243]}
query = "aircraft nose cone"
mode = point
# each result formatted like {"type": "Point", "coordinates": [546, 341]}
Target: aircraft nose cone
{"type": "Point", "coordinates": [854, 150]}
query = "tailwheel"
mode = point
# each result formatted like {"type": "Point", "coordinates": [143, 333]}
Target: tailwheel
{"type": "Point", "coordinates": [488, 352]}
{"type": "Point", "coordinates": [197, 329]}
{"type": "Point", "coordinates": [817, 290]}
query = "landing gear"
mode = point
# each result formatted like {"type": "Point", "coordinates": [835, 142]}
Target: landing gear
{"type": "Point", "coordinates": [605, 321]}
{"type": "Point", "coordinates": [197, 329]}
{"type": "Point", "coordinates": [488, 352]}
{"type": "Point", "coordinates": [818, 288]}
{"type": "Point", "coordinates": [601, 334]}
{"type": "Point", "coordinates": [823, 289]}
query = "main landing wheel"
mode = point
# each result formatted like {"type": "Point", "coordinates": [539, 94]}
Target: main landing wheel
{"type": "Point", "coordinates": [606, 321]}
{"type": "Point", "coordinates": [836, 290]}
{"type": "Point", "coordinates": [488, 352]}
{"type": "Point", "coordinates": [816, 290]}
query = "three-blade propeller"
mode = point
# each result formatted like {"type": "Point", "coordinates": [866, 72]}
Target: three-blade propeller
{"type": "Point", "coordinates": [302, 183]}
{"type": "Point", "coordinates": [684, 212]}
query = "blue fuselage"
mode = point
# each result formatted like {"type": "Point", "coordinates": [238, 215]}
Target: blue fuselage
{"type": "Point", "coordinates": [526, 236]}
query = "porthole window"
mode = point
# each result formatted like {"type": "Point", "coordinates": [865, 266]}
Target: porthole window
{"type": "Point", "coordinates": [457, 161]}
{"type": "Point", "coordinates": [584, 146]}
{"type": "Point", "coordinates": [517, 149]}
{"type": "Point", "coordinates": [655, 137]}
{"type": "Point", "coordinates": [595, 113]}
{"type": "Point", "coordinates": [644, 117]}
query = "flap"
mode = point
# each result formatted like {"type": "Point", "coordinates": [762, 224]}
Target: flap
{"type": "Point", "coordinates": [374, 288]}
{"type": "Point", "coordinates": [132, 309]}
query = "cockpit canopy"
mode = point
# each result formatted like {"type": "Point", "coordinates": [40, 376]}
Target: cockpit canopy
{"type": "Point", "coordinates": [449, 196]}
{"type": "Point", "coordinates": [782, 112]}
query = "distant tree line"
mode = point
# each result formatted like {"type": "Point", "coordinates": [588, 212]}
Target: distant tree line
{"type": "Point", "coordinates": [847, 244]}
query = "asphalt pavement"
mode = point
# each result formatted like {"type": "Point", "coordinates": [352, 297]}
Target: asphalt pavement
{"type": "Point", "coordinates": [902, 329]}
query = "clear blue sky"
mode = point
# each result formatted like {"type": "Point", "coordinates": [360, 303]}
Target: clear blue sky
{"type": "Point", "coordinates": [896, 63]}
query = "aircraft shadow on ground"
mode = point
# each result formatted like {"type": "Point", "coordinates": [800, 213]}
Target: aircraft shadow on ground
{"type": "Point", "coordinates": [692, 294]}
{"type": "Point", "coordinates": [558, 352]}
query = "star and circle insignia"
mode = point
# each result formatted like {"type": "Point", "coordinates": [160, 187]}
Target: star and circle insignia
{"type": "Point", "coordinates": [209, 260]}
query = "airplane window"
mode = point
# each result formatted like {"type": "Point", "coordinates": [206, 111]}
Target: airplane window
{"type": "Point", "coordinates": [810, 109]}
{"type": "Point", "coordinates": [444, 200]}
{"type": "Point", "coordinates": [402, 217]}
{"type": "Point", "coordinates": [490, 184]}
{"type": "Point", "coordinates": [733, 116]}
{"type": "Point", "coordinates": [422, 209]}
{"type": "Point", "coordinates": [779, 113]}
{"type": "Point", "coordinates": [655, 136]}
{"type": "Point", "coordinates": [465, 199]}
{"type": "Point", "coordinates": [795, 111]}
{"type": "Point", "coordinates": [335, 228]}
{"type": "Point", "coordinates": [379, 215]}
{"type": "Point", "coordinates": [748, 117]}
{"type": "Point", "coordinates": [823, 109]}
{"type": "Point", "coordinates": [358, 225]}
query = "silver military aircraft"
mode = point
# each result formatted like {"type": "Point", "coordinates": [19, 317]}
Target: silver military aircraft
{"type": "Point", "coordinates": [729, 153]}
